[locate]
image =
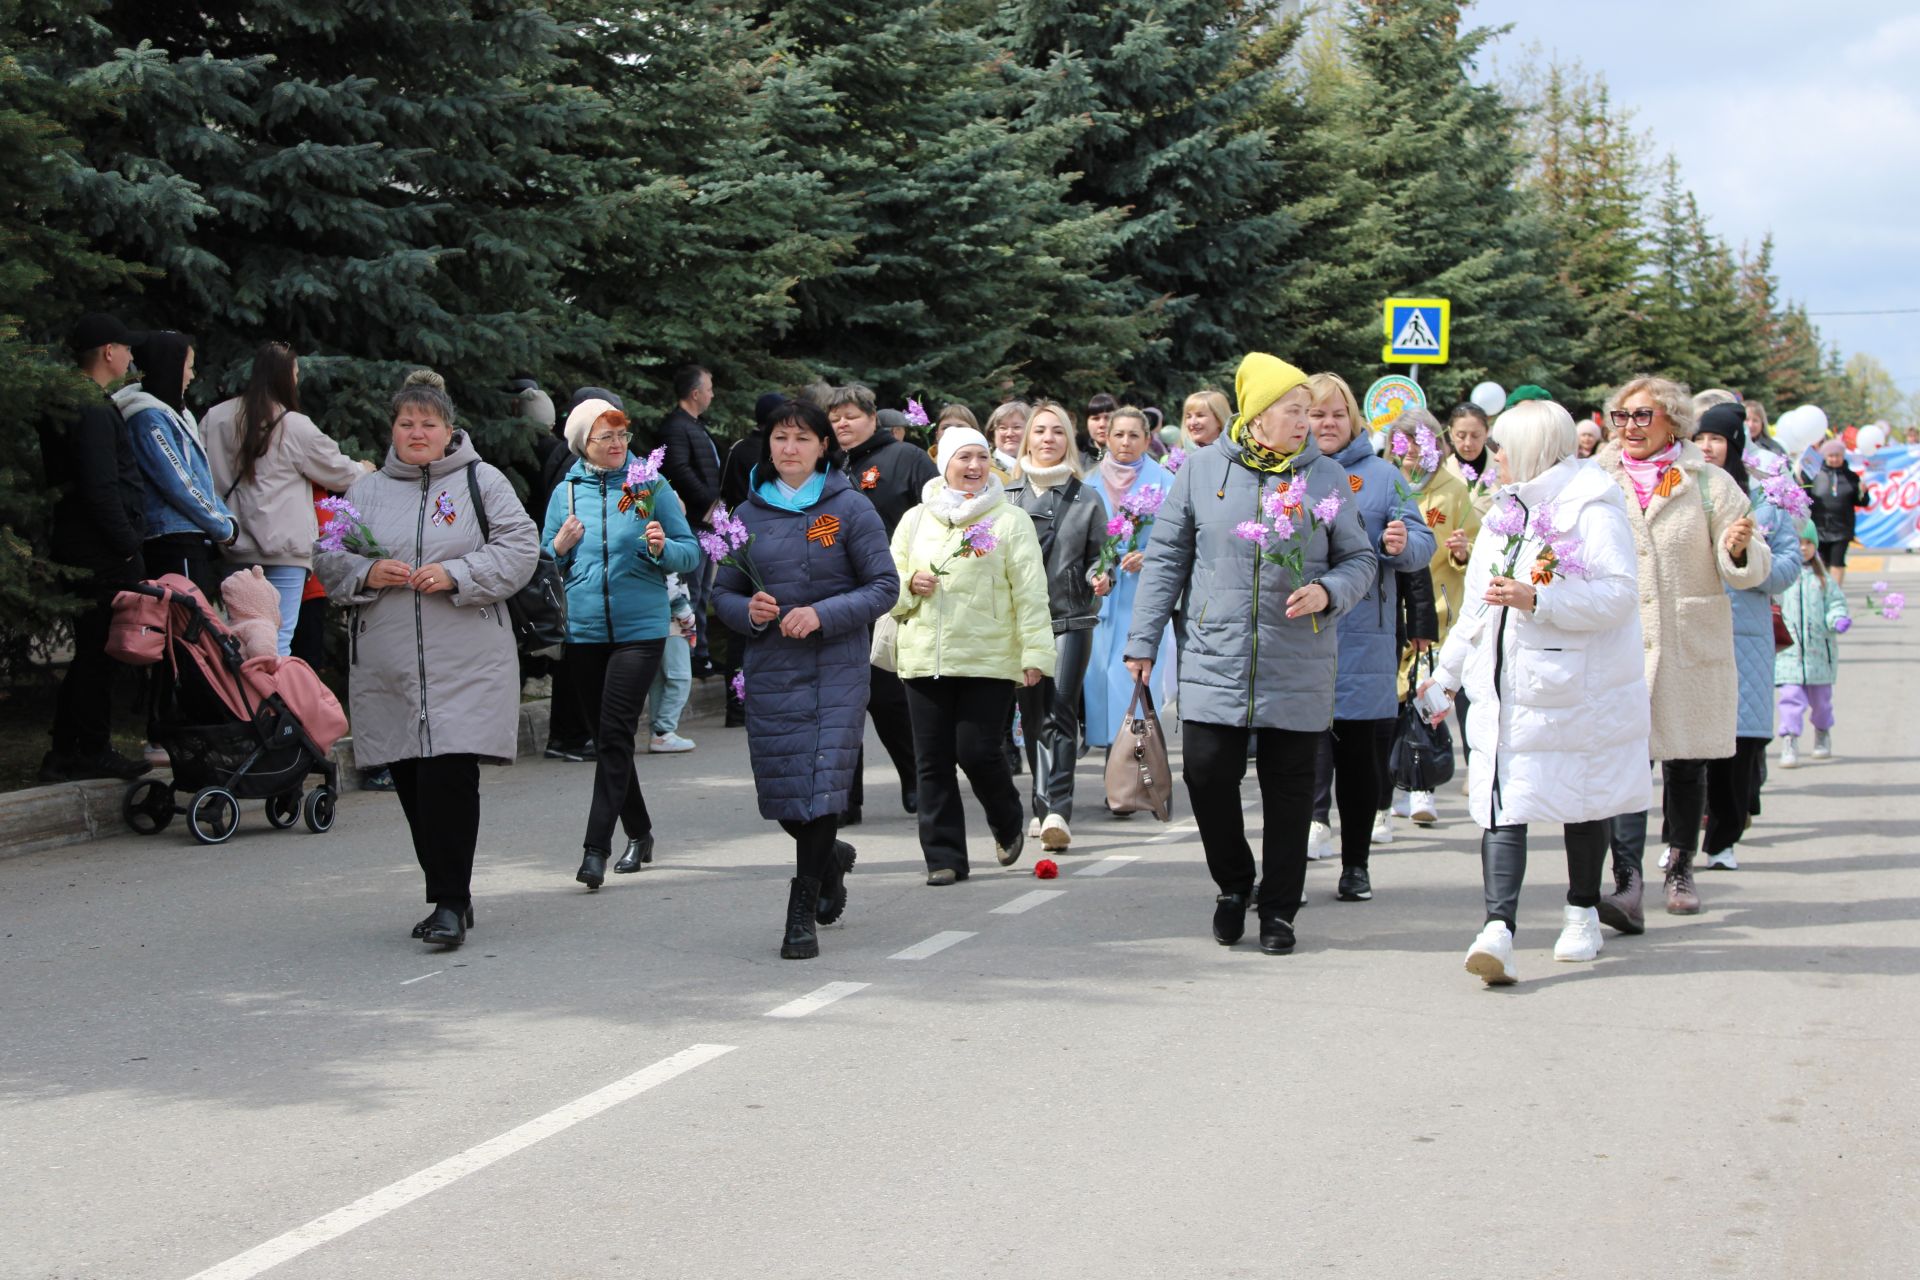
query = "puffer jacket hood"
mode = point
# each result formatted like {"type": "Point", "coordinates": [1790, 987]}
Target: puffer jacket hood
{"type": "Point", "coordinates": [1242, 660]}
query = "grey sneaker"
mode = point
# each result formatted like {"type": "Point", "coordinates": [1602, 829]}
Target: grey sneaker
{"type": "Point", "coordinates": [1822, 745]}
{"type": "Point", "coordinates": [667, 744]}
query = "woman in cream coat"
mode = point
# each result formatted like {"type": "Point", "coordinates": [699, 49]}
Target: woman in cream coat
{"type": "Point", "coordinates": [1550, 661]}
{"type": "Point", "coordinates": [1693, 535]}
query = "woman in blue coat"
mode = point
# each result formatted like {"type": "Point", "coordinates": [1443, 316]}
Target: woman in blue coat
{"type": "Point", "coordinates": [616, 566]}
{"type": "Point", "coordinates": [1366, 686]}
{"type": "Point", "coordinates": [1126, 471]}
{"type": "Point", "coordinates": [1733, 783]}
{"type": "Point", "coordinates": [825, 573]}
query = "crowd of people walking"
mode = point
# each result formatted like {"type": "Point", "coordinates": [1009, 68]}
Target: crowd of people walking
{"type": "Point", "coordinates": [1589, 599]}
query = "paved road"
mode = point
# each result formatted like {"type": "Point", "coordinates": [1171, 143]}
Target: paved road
{"type": "Point", "coordinates": [234, 1062]}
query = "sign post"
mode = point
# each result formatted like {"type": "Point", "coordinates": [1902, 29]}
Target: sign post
{"type": "Point", "coordinates": [1418, 332]}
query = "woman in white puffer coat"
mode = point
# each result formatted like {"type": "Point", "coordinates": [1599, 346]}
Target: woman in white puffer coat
{"type": "Point", "coordinates": [1549, 653]}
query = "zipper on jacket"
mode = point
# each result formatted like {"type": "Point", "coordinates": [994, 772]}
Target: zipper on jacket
{"type": "Point", "coordinates": [1253, 666]}
{"type": "Point", "coordinates": [419, 629]}
{"type": "Point", "coordinates": [606, 563]}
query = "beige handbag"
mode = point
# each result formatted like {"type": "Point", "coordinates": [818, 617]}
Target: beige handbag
{"type": "Point", "coordinates": [886, 641]}
{"type": "Point", "coordinates": [1139, 779]}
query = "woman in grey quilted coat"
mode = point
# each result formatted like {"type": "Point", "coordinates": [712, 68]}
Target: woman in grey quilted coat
{"type": "Point", "coordinates": [435, 685]}
{"type": "Point", "coordinates": [825, 572]}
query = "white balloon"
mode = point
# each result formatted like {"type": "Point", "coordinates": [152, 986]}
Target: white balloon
{"type": "Point", "coordinates": [1869, 438]}
{"type": "Point", "coordinates": [1798, 430]}
{"type": "Point", "coordinates": [1490, 396]}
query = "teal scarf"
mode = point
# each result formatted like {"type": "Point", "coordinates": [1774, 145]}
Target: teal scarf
{"type": "Point", "coordinates": [772, 493]}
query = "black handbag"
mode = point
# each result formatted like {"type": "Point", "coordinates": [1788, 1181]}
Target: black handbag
{"type": "Point", "coordinates": [1422, 756]}
{"type": "Point", "coordinates": [538, 611]}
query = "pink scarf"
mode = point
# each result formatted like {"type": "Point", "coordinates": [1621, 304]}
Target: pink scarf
{"type": "Point", "coordinates": [1117, 478]}
{"type": "Point", "coordinates": [1646, 472]}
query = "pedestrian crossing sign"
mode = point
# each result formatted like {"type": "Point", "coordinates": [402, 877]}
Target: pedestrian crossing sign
{"type": "Point", "coordinates": [1416, 330]}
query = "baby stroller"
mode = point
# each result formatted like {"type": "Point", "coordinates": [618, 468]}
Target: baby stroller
{"type": "Point", "coordinates": [235, 728]}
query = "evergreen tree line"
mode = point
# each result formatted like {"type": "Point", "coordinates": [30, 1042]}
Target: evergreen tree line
{"type": "Point", "coordinates": [959, 199]}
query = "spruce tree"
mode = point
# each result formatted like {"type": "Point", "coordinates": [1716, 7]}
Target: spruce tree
{"type": "Point", "coordinates": [383, 185]}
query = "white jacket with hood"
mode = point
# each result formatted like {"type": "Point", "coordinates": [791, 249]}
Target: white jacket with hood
{"type": "Point", "coordinates": [1559, 712]}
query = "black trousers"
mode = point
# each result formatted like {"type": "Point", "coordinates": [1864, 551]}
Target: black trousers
{"type": "Point", "coordinates": [812, 844]}
{"type": "Point", "coordinates": [887, 704]}
{"type": "Point", "coordinates": [1349, 767]}
{"type": "Point", "coordinates": [615, 678]}
{"type": "Point", "coordinates": [83, 708]}
{"type": "Point", "coordinates": [1503, 866]}
{"type": "Point", "coordinates": [1732, 785]}
{"type": "Point", "coordinates": [441, 797]}
{"type": "Point", "coordinates": [568, 725]}
{"type": "Point", "coordinates": [957, 722]}
{"type": "Point", "coordinates": [1215, 763]}
{"type": "Point", "coordinates": [188, 554]}
{"type": "Point", "coordinates": [1460, 705]}
{"type": "Point", "coordinates": [1050, 713]}
{"type": "Point", "coordinates": [1683, 802]}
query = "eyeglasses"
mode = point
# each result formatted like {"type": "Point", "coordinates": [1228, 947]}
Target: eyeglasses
{"type": "Point", "coordinates": [618, 437]}
{"type": "Point", "coordinates": [1641, 417]}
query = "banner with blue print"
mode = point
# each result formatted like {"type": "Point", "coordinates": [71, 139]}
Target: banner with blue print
{"type": "Point", "coordinates": [1892, 479]}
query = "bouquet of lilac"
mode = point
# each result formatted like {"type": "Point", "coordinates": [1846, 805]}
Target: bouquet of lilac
{"type": "Point", "coordinates": [916, 414]}
{"type": "Point", "coordinates": [1786, 493]}
{"type": "Point", "coordinates": [1176, 459]}
{"type": "Point", "coordinates": [1286, 531]}
{"type": "Point", "coordinates": [637, 489]}
{"type": "Point", "coordinates": [976, 542]}
{"type": "Point", "coordinates": [347, 530]}
{"type": "Point", "coordinates": [1428, 450]}
{"type": "Point", "coordinates": [1137, 511]}
{"type": "Point", "coordinates": [730, 543]}
{"type": "Point", "coordinates": [1558, 552]}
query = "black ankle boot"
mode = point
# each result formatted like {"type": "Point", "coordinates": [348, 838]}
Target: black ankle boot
{"type": "Point", "coordinates": [420, 930]}
{"type": "Point", "coordinates": [1229, 918]}
{"type": "Point", "coordinates": [1276, 932]}
{"type": "Point", "coordinates": [833, 885]}
{"type": "Point", "coordinates": [639, 853]}
{"type": "Point", "coordinates": [803, 899]}
{"type": "Point", "coordinates": [593, 870]}
{"type": "Point", "coordinates": [446, 927]}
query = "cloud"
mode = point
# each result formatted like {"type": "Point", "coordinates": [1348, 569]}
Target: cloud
{"type": "Point", "coordinates": [1895, 43]}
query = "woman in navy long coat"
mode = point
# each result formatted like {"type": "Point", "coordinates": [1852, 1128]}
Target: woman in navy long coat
{"type": "Point", "coordinates": [825, 573]}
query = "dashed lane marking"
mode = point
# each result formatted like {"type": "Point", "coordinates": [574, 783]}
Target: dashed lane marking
{"type": "Point", "coordinates": [423, 977]}
{"type": "Point", "coordinates": [1111, 863]}
{"type": "Point", "coordinates": [1028, 901]}
{"type": "Point", "coordinates": [932, 946]}
{"type": "Point", "coordinates": [814, 1001]}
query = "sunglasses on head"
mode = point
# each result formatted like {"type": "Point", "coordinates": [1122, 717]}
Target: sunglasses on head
{"type": "Point", "coordinates": [1642, 417]}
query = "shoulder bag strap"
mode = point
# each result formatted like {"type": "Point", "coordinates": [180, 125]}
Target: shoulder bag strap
{"type": "Point", "coordinates": [479, 507]}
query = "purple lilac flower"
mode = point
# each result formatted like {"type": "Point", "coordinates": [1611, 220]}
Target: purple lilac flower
{"type": "Point", "coordinates": [739, 686]}
{"type": "Point", "coordinates": [980, 539]}
{"type": "Point", "coordinates": [1176, 459]}
{"type": "Point", "coordinates": [1543, 522]}
{"type": "Point", "coordinates": [1144, 501]}
{"type": "Point", "coordinates": [916, 414]}
{"type": "Point", "coordinates": [1283, 527]}
{"type": "Point", "coordinates": [1327, 508]}
{"type": "Point", "coordinates": [1274, 503]}
{"type": "Point", "coordinates": [339, 507]}
{"type": "Point", "coordinates": [1895, 598]}
{"type": "Point", "coordinates": [1472, 476]}
{"type": "Point", "coordinates": [1297, 493]}
{"type": "Point", "coordinates": [1120, 527]}
{"type": "Point", "coordinates": [1879, 586]}
{"type": "Point", "coordinates": [1253, 531]}
{"type": "Point", "coordinates": [1506, 519]}
{"type": "Point", "coordinates": [1401, 445]}
{"type": "Point", "coordinates": [1566, 554]}
{"type": "Point", "coordinates": [1784, 492]}
{"type": "Point", "coordinates": [713, 544]}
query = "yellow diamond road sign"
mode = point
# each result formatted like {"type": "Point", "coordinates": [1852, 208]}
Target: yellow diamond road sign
{"type": "Point", "coordinates": [1417, 330]}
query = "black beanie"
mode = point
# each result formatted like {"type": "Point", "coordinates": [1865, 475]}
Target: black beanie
{"type": "Point", "coordinates": [1730, 420]}
{"type": "Point", "coordinates": [766, 406]}
{"type": "Point", "coordinates": [161, 357]}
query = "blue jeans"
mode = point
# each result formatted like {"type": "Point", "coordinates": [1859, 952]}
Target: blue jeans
{"type": "Point", "coordinates": [671, 686]}
{"type": "Point", "coordinates": [290, 580]}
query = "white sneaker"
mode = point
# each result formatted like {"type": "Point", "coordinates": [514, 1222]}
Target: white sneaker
{"type": "Point", "coordinates": [1423, 810]}
{"type": "Point", "coordinates": [1723, 861]}
{"type": "Point", "coordinates": [1490, 958]}
{"type": "Point", "coordinates": [1400, 804]}
{"type": "Point", "coordinates": [668, 744]}
{"type": "Point", "coordinates": [1054, 835]}
{"type": "Point", "coordinates": [1822, 745]}
{"type": "Point", "coordinates": [1789, 752]}
{"type": "Point", "coordinates": [1033, 829]}
{"type": "Point", "coordinates": [1580, 939]}
{"type": "Point", "coordinates": [1383, 827]}
{"type": "Point", "coordinates": [1320, 841]}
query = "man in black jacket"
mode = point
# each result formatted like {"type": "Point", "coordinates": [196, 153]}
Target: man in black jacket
{"type": "Point", "coordinates": [692, 467]}
{"type": "Point", "coordinates": [891, 473]}
{"type": "Point", "coordinates": [99, 522]}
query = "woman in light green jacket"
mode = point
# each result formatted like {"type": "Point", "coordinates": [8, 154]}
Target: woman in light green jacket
{"type": "Point", "coordinates": [974, 625]}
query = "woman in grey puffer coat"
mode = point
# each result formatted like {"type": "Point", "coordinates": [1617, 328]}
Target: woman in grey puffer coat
{"type": "Point", "coordinates": [1071, 521]}
{"type": "Point", "coordinates": [1260, 652]}
{"type": "Point", "coordinates": [435, 684]}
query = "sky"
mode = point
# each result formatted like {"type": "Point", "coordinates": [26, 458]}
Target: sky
{"type": "Point", "coordinates": [1800, 119]}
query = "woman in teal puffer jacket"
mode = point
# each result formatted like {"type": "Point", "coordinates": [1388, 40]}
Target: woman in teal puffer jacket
{"type": "Point", "coordinates": [616, 566]}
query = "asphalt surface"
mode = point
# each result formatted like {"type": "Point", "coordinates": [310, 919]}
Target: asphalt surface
{"type": "Point", "coordinates": [233, 1061]}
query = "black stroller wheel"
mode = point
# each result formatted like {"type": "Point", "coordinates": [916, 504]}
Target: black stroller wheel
{"type": "Point", "coordinates": [283, 810]}
{"type": "Point", "coordinates": [213, 815]}
{"type": "Point", "coordinates": [319, 810]}
{"type": "Point", "coordinates": [148, 806]}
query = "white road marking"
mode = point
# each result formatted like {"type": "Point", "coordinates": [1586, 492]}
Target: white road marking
{"type": "Point", "coordinates": [1028, 901]}
{"type": "Point", "coordinates": [397, 1195]}
{"type": "Point", "coordinates": [1112, 862]}
{"type": "Point", "coordinates": [815, 1000]}
{"type": "Point", "coordinates": [932, 946]}
{"type": "Point", "coordinates": [423, 977]}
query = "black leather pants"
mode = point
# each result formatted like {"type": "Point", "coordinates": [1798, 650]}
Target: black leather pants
{"type": "Point", "coordinates": [1050, 715]}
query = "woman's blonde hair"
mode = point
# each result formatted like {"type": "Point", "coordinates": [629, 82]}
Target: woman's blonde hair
{"type": "Point", "coordinates": [1130, 411]}
{"type": "Point", "coordinates": [1215, 403]}
{"type": "Point", "coordinates": [1002, 412]}
{"type": "Point", "coordinates": [1705, 400]}
{"type": "Point", "coordinates": [1059, 411]}
{"type": "Point", "coordinates": [956, 413]}
{"type": "Point", "coordinates": [1325, 386]}
{"type": "Point", "coordinates": [1535, 436]}
{"type": "Point", "coordinates": [1674, 399]}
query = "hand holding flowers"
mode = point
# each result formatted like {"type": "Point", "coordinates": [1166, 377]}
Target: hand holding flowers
{"type": "Point", "coordinates": [1283, 537]}
{"type": "Point", "coordinates": [977, 541]}
{"type": "Point", "coordinates": [730, 543]}
{"type": "Point", "coordinates": [638, 487]}
{"type": "Point", "coordinates": [347, 530]}
{"type": "Point", "coordinates": [1125, 530]}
